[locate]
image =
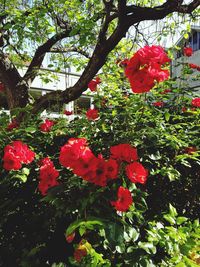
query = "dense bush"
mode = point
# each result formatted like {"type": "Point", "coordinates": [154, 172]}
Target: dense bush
{"type": "Point", "coordinates": [49, 214]}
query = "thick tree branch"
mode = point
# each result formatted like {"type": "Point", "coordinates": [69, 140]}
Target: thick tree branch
{"type": "Point", "coordinates": [40, 54]}
{"type": "Point", "coordinates": [134, 14]}
{"type": "Point", "coordinates": [187, 9]}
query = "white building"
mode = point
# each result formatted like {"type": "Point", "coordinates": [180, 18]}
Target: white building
{"type": "Point", "coordinates": [194, 42]}
{"type": "Point", "coordinates": [55, 81]}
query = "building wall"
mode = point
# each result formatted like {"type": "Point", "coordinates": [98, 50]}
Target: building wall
{"type": "Point", "coordinates": [176, 70]}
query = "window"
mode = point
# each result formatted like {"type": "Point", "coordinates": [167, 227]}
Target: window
{"type": "Point", "coordinates": [194, 41]}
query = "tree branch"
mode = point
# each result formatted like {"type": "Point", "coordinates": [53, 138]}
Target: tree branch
{"type": "Point", "coordinates": [70, 49]}
{"type": "Point", "coordinates": [40, 54]}
{"type": "Point", "coordinates": [134, 14]}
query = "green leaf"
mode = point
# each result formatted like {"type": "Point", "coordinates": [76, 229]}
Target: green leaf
{"type": "Point", "coordinates": [172, 211]}
{"type": "Point", "coordinates": [90, 224]}
{"type": "Point", "coordinates": [181, 220]}
{"type": "Point", "coordinates": [167, 116]}
{"type": "Point", "coordinates": [22, 177]}
{"type": "Point", "coordinates": [30, 129]}
{"type": "Point", "coordinates": [148, 247]}
{"type": "Point", "coordinates": [26, 171]}
{"type": "Point", "coordinates": [169, 219]}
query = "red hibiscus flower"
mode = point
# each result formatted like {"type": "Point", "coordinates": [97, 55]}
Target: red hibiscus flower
{"type": "Point", "coordinates": [68, 113]}
{"type": "Point", "coordinates": [84, 166]}
{"type": "Point", "coordinates": [16, 154]}
{"type": "Point", "coordinates": [144, 68]}
{"type": "Point", "coordinates": [12, 125]}
{"type": "Point", "coordinates": [141, 81]}
{"type": "Point", "coordinates": [75, 149]}
{"type": "Point", "coordinates": [48, 176]}
{"type": "Point", "coordinates": [196, 102]}
{"type": "Point", "coordinates": [159, 104]}
{"type": "Point", "coordinates": [166, 91]}
{"type": "Point", "coordinates": [79, 253]}
{"type": "Point", "coordinates": [2, 87]}
{"type": "Point", "coordinates": [187, 51]}
{"type": "Point", "coordinates": [192, 66]}
{"type": "Point", "coordinates": [46, 125]}
{"type": "Point", "coordinates": [98, 172]}
{"type": "Point", "coordinates": [153, 55]}
{"type": "Point", "coordinates": [112, 169]}
{"type": "Point", "coordinates": [124, 152]}
{"type": "Point", "coordinates": [11, 162]}
{"type": "Point", "coordinates": [184, 109]}
{"type": "Point", "coordinates": [92, 85]}
{"type": "Point", "coordinates": [190, 150]}
{"type": "Point", "coordinates": [92, 114]}
{"type": "Point", "coordinates": [70, 237]}
{"type": "Point", "coordinates": [124, 200]}
{"type": "Point", "coordinates": [136, 173]}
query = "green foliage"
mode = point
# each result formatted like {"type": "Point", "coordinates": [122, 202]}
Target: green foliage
{"type": "Point", "coordinates": [159, 229]}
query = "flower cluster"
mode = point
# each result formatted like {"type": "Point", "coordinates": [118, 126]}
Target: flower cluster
{"type": "Point", "coordinates": [92, 85]}
{"type": "Point", "coordinates": [92, 114]}
{"type": "Point", "coordinates": [77, 156]}
{"type": "Point", "coordinates": [145, 68]}
{"type": "Point", "coordinates": [124, 200]}
{"type": "Point", "coordinates": [187, 51]}
{"type": "Point", "coordinates": [194, 66]}
{"type": "Point", "coordinates": [12, 125]}
{"type": "Point", "coordinates": [159, 104]}
{"type": "Point", "coordinates": [196, 102]}
{"type": "Point", "coordinates": [48, 175]}
{"type": "Point", "coordinates": [46, 125]}
{"type": "Point", "coordinates": [80, 252]}
{"type": "Point", "coordinates": [16, 154]}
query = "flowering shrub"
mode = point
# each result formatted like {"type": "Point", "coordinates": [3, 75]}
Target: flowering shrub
{"type": "Point", "coordinates": [99, 190]}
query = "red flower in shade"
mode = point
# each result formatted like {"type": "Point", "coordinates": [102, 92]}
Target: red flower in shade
{"type": "Point", "coordinates": [92, 114]}
{"type": "Point", "coordinates": [12, 125]}
{"type": "Point", "coordinates": [159, 104]}
{"type": "Point", "coordinates": [2, 87]}
{"type": "Point", "coordinates": [112, 169]}
{"type": "Point", "coordinates": [98, 172]}
{"type": "Point", "coordinates": [136, 173]}
{"type": "Point", "coordinates": [79, 253]}
{"type": "Point", "coordinates": [190, 150]}
{"type": "Point", "coordinates": [124, 152]}
{"type": "Point", "coordinates": [46, 125]}
{"type": "Point", "coordinates": [83, 166]}
{"type": "Point", "coordinates": [196, 102]}
{"type": "Point", "coordinates": [70, 237]}
{"type": "Point", "coordinates": [166, 91]}
{"type": "Point", "coordinates": [124, 200]}
{"type": "Point", "coordinates": [92, 85]}
{"type": "Point", "coordinates": [187, 51]}
{"type": "Point", "coordinates": [15, 154]}
{"type": "Point", "coordinates": [68, 113]}
{"type": "Point", "coordinates": [184, 109]}
{"type": "Point", "coordinates": [48, 176]}
{"type": "Point", "coordinates": [11, 162]}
